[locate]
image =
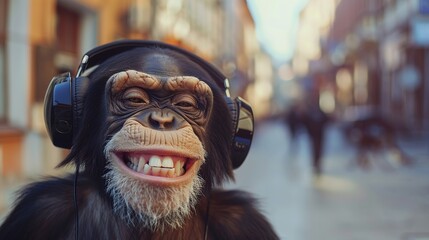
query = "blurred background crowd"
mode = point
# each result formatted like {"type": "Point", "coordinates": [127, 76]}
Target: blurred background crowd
{"type": "Point", "coordinates": [360, 65]}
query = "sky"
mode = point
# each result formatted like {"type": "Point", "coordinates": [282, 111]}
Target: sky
{"type": "Point", "coordinates": [276, 23]}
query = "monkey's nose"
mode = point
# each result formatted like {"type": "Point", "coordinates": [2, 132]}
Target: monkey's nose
{"type": "Point", "coordinates": [161, 120]}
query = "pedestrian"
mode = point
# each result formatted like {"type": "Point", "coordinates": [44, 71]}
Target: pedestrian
{"type": "Point", "coordinates": [315, 121]}
{"type": "Point", "coordinates": [293, 120]}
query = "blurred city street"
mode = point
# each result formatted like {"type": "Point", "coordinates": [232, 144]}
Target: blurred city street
{"type": "Point", "coordinates": [388, 201]}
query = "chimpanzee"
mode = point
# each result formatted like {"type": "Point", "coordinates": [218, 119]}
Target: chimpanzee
{"type": "Point", "coordinates": [153, 133]}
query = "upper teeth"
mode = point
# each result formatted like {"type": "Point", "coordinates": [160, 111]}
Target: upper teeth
{"type": "Point", "coordinates": [157, 165]}
{"type": "Point", "coordinates": [155, 161]}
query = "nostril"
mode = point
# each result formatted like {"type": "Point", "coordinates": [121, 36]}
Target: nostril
{"type": "Point", "coordinates": [153, 123]}
{"type": "Point", "coordinates": [161, 121]}
{"type": "Point", "coordinates": [169, 124]}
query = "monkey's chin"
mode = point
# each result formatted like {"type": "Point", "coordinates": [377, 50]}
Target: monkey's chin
{"type": "Point", "coordinates": [165, 168]}
{"type": "Point", "coordinates": [156, 207]}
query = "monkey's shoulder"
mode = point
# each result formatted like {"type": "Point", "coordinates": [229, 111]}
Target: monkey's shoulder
{"type": "Point", "coordinates": [235, 214]}
{"type": "Point", "coordinates": [46, 209]}
{"type": "Point", "coordinates": [49, 193]}
{"type": "Point", "coordinates": [45, 205]}
{"type": "Point", "coordinates": [52, 190]}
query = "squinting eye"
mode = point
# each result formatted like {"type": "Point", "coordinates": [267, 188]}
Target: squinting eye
{"type": "Point", "coordinates": [135, 100]}
{"type": "Point", "coordinates": [185, 101]}
{"type": "Point", "coordinates": [135, 96]}
{"type": "Point", "coordinates": [185, 104]}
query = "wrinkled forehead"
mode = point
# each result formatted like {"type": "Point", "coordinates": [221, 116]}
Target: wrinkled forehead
{"type": "Point", "coordinates": [132, 78]}
{"type": "Point", "coordinates": [159, 63]}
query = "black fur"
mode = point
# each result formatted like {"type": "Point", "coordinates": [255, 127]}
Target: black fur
{"type": "Point", "coordinates": [45, 209]}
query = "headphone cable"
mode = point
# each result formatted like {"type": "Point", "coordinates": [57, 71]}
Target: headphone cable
{"type": "Point", "coordinates": [75, 200]}
{"type": "Point", "coordinates": [207, 217]}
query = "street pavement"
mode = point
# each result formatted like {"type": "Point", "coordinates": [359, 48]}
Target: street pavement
{"type": "Point", "coordinates": [388, 201]}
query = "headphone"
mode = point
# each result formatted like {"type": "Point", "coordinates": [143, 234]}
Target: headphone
{"type": "Point", "coordinates": [64, 98]}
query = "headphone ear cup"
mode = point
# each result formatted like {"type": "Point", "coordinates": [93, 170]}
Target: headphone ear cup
{"type": "Point", "coordinates": [58, 111]}
{"type": "Point", "coordinates": [243, 123]}
{"type": "Point", "coordinates": [63, 108]}
{"type": "Point", "coordinates": [79, 88]}
{"type": "Point", "coordinates": [232, 106]}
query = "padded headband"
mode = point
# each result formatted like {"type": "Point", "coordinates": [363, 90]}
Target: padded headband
{"type": "Point", "coordinates": [101, 53]}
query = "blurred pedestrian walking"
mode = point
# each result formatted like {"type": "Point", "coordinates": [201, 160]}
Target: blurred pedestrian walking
{"type": "Point", "coordinates": [293, 120]}
{"type": "Point", "coordinates": [315, 121]}
{"type": "Point", "coordinates": [306, 115]}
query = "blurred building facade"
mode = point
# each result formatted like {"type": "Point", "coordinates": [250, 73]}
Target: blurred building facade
{"type": "Point", "coordinates": [39, 39]}
{"type": "Point", "coordinates": [364, 54]}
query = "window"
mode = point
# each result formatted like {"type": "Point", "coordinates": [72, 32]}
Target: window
{"type": "Point", "coordinates": [68, 22]}
{"type": "Point", "coordinates": [62, 56]}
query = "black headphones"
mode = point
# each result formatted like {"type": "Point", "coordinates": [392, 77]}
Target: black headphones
{"type": "Point", "coordinates": [63, 100]}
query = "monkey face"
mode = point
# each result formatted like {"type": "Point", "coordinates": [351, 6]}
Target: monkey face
{"type": "Point", "coordinates": [155, 156]}
{"type": "Point", "coordinates": [157, 143]}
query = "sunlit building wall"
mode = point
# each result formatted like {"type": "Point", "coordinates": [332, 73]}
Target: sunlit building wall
{"type": "Point", "coordinates": [260, 92]}
{"type": "Point", "coordinates": [364, 40]}
{"type": "Point", "coordinates": [239, 46]}
{"type": "Point", "coordinates": [353, 65]}
{"type": "Point", "coordinates": [196, 25]}
{"type": "Point", "coordinates": [315, 21]}
{"type": "Point", "coordinates": [38, 39]}
{"type": "Point", "coordinates": [309, 64]}
{"type": "Point", "coordinates": [384, 45]}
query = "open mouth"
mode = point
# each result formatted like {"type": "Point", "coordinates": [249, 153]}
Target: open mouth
{"type": "Point", "coordinates": [156, 165]}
